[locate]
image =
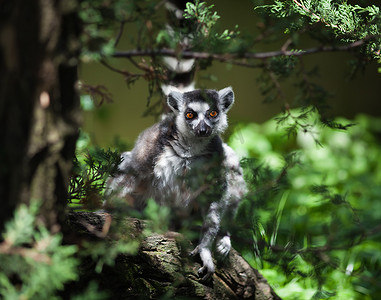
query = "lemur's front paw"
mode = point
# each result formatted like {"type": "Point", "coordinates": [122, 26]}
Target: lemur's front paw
{"type": "Point", "coordinates": [223, 246]}
{"type": "Point", "coordinates": [207, 262]}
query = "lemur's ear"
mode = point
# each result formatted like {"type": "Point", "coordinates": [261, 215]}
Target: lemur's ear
{"type": "Point", "coordinates": [175, 99]}
{"type": "Point", "coordinates": [226, 97]}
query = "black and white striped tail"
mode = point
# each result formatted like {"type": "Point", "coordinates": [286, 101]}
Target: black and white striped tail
{"type": "Point", "coordinates": [180, 72]}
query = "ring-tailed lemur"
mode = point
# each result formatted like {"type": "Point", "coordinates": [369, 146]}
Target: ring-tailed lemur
{"type": "Point", "coordinates": [181, 162]}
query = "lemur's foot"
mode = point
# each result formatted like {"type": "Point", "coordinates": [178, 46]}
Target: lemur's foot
{"type": "Point", "coordinates": [223, 246]}
{"type": "Point", "coordinates": [207, 261]}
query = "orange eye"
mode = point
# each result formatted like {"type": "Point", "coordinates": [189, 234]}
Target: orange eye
{"type": "Point", "coordinates": [213, 114]}
{"type": "Point", "coordinates": [189, 115]}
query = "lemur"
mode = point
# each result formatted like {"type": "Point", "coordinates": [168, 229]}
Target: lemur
{"type": "Point", "coordinates": [181, 162]}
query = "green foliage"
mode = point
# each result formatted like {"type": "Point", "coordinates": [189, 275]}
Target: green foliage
{"type": "Point", "coordinates": [159, 217]}
{"type": "Point", "coordinates": [31, 259]}
{"type": "Point", "coordinates": [326, 24]}
{"type": "Point", "coordinates": [202, 13]}
{"type": "Point", "coordinates": [347, 22]}
{"type": "Point", "coordinates": [202, 33]}
{"type": "Point", "coordinates": [92, 292]}
{"type": "Point", "coordinates": [37, 264]}
{"type": "Point", "coordinates": [313, 211]}
{"type": "Point", "coordinates": [206, 21]}
{"type": "Point", "coordinates": [91, 168]}
{"type": "Point", "coordinates": [105, 252]}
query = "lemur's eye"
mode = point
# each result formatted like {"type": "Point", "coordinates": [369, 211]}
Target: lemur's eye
{"type": "Point", "coordinates": [189, 115]}
{"type": "Point", "coordinates": [213, 114]}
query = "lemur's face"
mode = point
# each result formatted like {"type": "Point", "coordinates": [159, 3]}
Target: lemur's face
{"type": "Point", "coordinates": [201, 118]}
{"type": "Point", "coordinates": [201, 113]}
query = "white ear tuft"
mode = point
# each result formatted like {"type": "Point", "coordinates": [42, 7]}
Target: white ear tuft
{"type": "Point", "coordinates": [226, 97]}
{"type": "Point", "coordinates": [174, 100]}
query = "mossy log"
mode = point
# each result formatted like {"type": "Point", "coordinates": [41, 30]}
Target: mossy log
{"type": "Point", "coordinates": [163, 269]}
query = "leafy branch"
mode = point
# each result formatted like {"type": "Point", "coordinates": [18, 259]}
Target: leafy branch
{"type": "Point", "coordinates": [348, 23]}
{"type": "Point", "coordinates": [89, 175]}
{"type": "Point", "coordinates": [31, 258]}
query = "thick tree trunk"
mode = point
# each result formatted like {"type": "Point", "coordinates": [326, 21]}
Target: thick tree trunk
{"type": "Point", "coordinates": [39, 106]}
{"type": "Point", "coordinates": [162, 269]}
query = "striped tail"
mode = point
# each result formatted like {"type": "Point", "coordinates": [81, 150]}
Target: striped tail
{"type": "Point", "coordinates": [180, 72]}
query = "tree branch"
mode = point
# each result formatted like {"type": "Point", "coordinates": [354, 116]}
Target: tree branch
{"type": "Point", "coordinates": [33, 253]}
{"type": "Point", "coordinates": [162, 268]}
{"type": "Point", "coordinates": [120, 33]}
{"type": "Point", "coordinates": [247, 55]}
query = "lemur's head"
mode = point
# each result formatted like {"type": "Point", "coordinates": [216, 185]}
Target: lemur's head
{"type": "Point", "coordinates": [201, 113]}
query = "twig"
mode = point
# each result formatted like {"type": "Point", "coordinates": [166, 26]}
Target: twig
{"type": "Point", "coordinates": [276, 83]}
{"type": "Point", "coordinates": [121, 27]}
{"type": "Point", "coordinates": [134, 63]}
{"type": "Point", "coordinates": [7, 248]}
{"type": "Point", "coordinates": [98, 93]}
{"type": "Point", "coordinates": [128, 76]}
{"type": "Point", "coordinates": [125, 73]}
{"type": "Point", "coordinates": [286, 44]}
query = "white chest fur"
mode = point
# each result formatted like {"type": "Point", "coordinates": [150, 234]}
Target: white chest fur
{"type": "Point", "coordinates": [170, 176]}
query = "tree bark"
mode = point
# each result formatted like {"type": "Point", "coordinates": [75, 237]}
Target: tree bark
{"type": "Point", "coordinates": [39, 105]}
{"type": "Point", "coordinates": [163, 268]}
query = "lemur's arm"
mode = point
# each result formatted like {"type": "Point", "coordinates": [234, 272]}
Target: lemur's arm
{"type": "Point", "coordinates": [210, 230]}
{"type": "Point", "coordinates": [221, 213]}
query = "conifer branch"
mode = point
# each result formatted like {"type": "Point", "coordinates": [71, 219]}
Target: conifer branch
{"type": "Point", "coordinates": [302, 6]}
{"type": "Point", "coordinates": [248, 55]}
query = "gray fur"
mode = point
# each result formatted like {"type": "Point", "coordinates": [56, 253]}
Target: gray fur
{"type": "Point", "coordinates": [182, 163]}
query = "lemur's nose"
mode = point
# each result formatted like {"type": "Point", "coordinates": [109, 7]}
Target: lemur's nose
{"type": "Point", "coordinates": [203, 129]}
